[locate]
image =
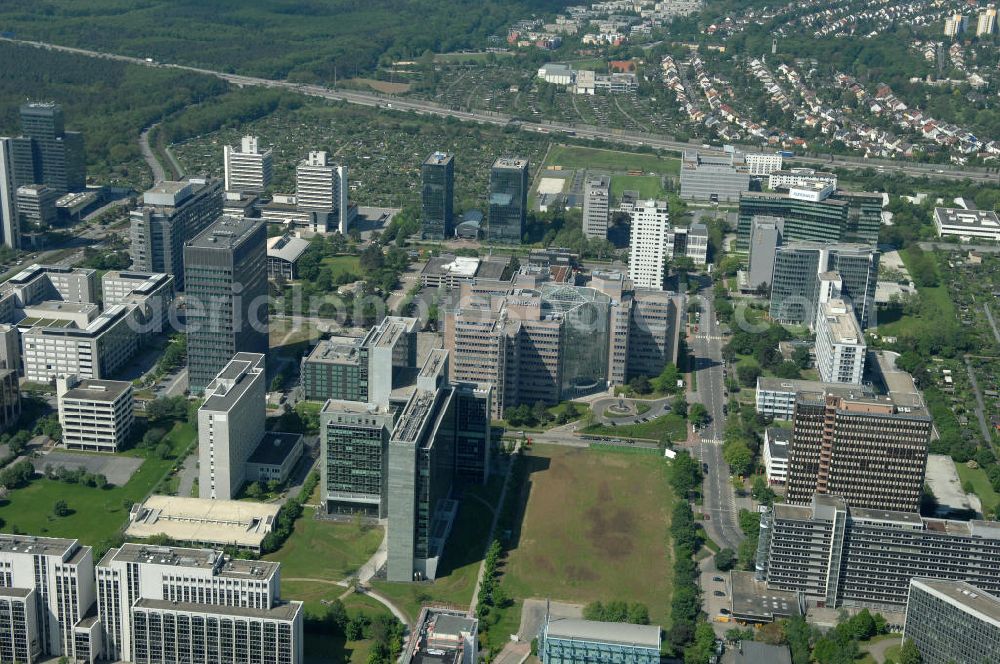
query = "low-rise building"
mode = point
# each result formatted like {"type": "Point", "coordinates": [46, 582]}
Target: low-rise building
{"type": "Point", "coordinates": [95, 415]}
{"type": "Point", "coordinates": [283, 254]}
{"type": "Point", "coordinates": [719, 179]}
{"type": "Point", "coordinates": [952, 621]}
{"type": "Point", "coordinates": [203, 522]}
{"type": "Point", "coordinates": [275, 457]}
{"type": "Point", "coordinates": [571, 641]}
{"type": "Point", "coordinates": [967, 224]}
{"type": "Point", "coordinates": [450, 638]}
{"type": "Point", "coordinates": [776, 442]}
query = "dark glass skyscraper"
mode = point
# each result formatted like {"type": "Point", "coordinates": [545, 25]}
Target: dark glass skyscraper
{"type": "Point", "coordinates": [437, 196]}
{"type": "Point", "coordinates": [508, 200]}
{"type": "Point", "coordinates": [225, 271]}
{"type": "Point", "coordinates": [46, 153]}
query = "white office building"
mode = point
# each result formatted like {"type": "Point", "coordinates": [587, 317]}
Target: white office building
{"type": "Point", "coordinates": [967, 224]}
{"type": "Point", "coordinates": [596, 201]}
{"type": "Point", "coordinates": [46, 591]}
{"type": "Point", "coordinates": [95, 415]}
{"type": "Point", "coordinates": [776, 442]}
{"type": "Point", "coordinates": [9, 226]}
{"type": "Point", "coordinates": [172, 604]}
{"type": "Point", "coordinates": [248, 168]}
{"type": "Point", "coordinates": [840, 344]}
{"type": "Point", "coordinates": [690, 242]}
{"type": "Point", "coordinates": [796, 178]}
{"type": "Point", "coordinates": [321, 186]}
{"type": "Point", "coordinates": [152, 292]}
{"type": "Point", "coordinates": [762, 164]}
{"type": "Point", "coordinates": [648, 244]}
{"type": "Point", "coordinates": [230, 425]}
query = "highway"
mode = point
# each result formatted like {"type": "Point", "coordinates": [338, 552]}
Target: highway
{"type": "Point", "coordinates": [719, 497]}
{"type": "Point", "coordinates": [491, 117]}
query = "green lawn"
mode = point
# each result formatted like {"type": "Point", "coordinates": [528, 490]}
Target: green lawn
{"type": "Point", "coordinates": [322, 648]}
{"type": "Point", "coordinates": [648, 186]}
{"type": "Point", "coordinates": [97, 514]}
{"type": "Point", "coordinates": [342, 264]}
{"type": "Point", "coordinates": [674, 424]}
{"type": "Point", "coordinates": [572, 156]}
{"type": "Point", "coordinates": [463, 554]}
{"type": "Point", "coordinates": [935, 306]}
{"type": "Point", "coordinates": [591, 521]}
{"type": "Point", "coordinates": [981, 483]}
{"type": "Point", "coordinates": [320, 549]}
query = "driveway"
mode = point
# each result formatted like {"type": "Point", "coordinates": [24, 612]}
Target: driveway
{"type": "Point", "coordinates": [657, 408]}
{"type": "Point", "coordinates": [533, 615]}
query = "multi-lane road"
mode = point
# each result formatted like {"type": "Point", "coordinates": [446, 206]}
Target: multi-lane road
{"type": "Point", "coordinates": [491, 117]}
{"type": "Point", "coordinates": [719, 497]}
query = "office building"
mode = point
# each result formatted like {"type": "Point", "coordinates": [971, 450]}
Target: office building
{"type": "Point", "coordinates": [172, 604]}
{"type": "Point", "coordinates": [47, 154]}
{"type": "Point", "coordinates": [775, 397]}
{"type": "Point", "coordinates": [171, 214]}
{"type": "Point", "coordinates": [797, 178]}
{"type": "Point", "coordinates": [321, 186]}
{"type": "Point", "coordinates": [153, 294]}
{"type": "Point", "coordinates": [718, 179]}
{"type": "Point", "coordinates": [36, 206]}
{"type": "Point", "coordinates": [815, 212]}
{"type": "Point", "coordinates": [571, 641]}
{"type": "Point", "coordinates": [452, 633]}
{"type": "Point", "coordinates": [872, 451]}
{"type": "Point", "coordinates": [508, 204]}
{"type": "Point", "coordinates": [10, 399]}
{"type": "Point", "coordinates": [955, 24]}
{"type": "Point", "coordinates": [776, 441]}
{"type": "Point", "coordinates": [647, 257]}
{"type": "Point", "coordinates": [448, 270]}
{"type": "Point", "coordinates": [437, 196]}
{"type": "Point", "coordinates": [967, 224]}
{"type": "Point", "coordinates": [837, 555]}
{"type": "Point", "coordinates": [247, 168]}
{"type": "Point", "coordinates": [241, 524]}
{"type": "Point", "coordinates": [796, 279]}
{"type": "Point", "coordinates": [986, 24]}
{"type": "Point", "coordinates": [596, 207]}
{"type": "Point", "coordinates": [688, 242]}
{"type": "Point", "coordinates": [226, 291]}
{"type": "Point", "coordinates": [46, 592]}
{"type": "Point", "coordinates": [761, 164]}
{"type": "Point", "coordinates": [95, 415]}
{"type": "Point", "coordinates": [230, 425]}
{"type": "Point", "coordinates": [840, 344]}
{"type": "Point", "coordinates": [765, 238]}
{"type": "Point", "coordinates": [952, 621]}
{"type": "Point", "coordinates": [283, 254]}
{"type": "Point", "coordinates": [354, 455]}
{"type": "Point", "coordinates": [9, 228]}
{"type": "Point", "coordinates": [37, 283]}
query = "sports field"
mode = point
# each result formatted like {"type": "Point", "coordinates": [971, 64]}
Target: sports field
{"type": "Point", "coordinates": [572, 156]}
{"type": "Point", "coordinates": [595, 528]}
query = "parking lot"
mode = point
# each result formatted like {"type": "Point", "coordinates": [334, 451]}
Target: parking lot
{"type": "Point", "coordinates": [117, 469]}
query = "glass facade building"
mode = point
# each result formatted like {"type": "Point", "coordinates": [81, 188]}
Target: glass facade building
{"type": "Point", "coordinates": [570, 641]}
{"type": "Point", "coordinates": [437, 196]}
{"type": "Point", "coordinates": [840, 217]}
{"type": "Point", "coordinates": [952, 621]}
{"type": "Point", "coordinates": [508, 201]}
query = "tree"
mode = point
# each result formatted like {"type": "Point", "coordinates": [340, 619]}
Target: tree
{"type": "Point", "coordinates": [909, 654]}
{"type": "Point", "coordinates": [60, 508]}
{"type": "Point", "coordinates": [684, 474]}
{"type": "Point", "coordinates": [638, 614]}
{"type": "Point", "coordinates": [277, 382]}
{"type": "Point", "coordinates": [698, 415]}
{"type": "Point", "coordinates": [254, 490]}
{"type": "Point", "coordinates": [679, 405]}
{"type": "Point", "coordinates": [640, 385]}
{"type": "Point", "coordinates": [747, 374]}
{"type": "Point", "coordinates": [725, 559]}
{"type": "Point", "coordinates": [801, 357]}
{"type": "Point", "coordinates": [761, 491]}
{"type": "Point", "coordinates": [787, 369]}
{"type": "Point", "coordinates": [666, 382]}
{"type": "Point", "coordinates": [162, 451]}
{"type": "Point", "coordinates": [739, 457]}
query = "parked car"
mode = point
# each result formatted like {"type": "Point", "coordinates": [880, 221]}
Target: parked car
{"type": "Point", "coordinates": [719, 579]}
{"type": "Point", "coordinates": [718, 593]}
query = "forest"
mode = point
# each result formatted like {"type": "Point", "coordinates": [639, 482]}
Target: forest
{"type": "Point", "coordinates": [309, 40]}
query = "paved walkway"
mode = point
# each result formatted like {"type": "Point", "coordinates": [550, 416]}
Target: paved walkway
{"type": "Point", "coordinates": [188, 474]}
{"type": "Point", "coordinates": [878, 649]}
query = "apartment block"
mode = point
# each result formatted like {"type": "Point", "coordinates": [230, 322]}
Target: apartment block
{"type": "Point", "coordinates": [95, 415]}
{"type": "Point", "coordinates": [230, 425]}
{"type": "Point", "coordinates": [761, 164]}
{"type": "Point", "coordinates": [648, 244]}
{"type": "Point", "coordinates": [226, 296]}
{"type": "Point", "coordinates": [168, 604]}
{"type": "Point", "coordinates": [508, 202]}
{"type": "Point", "coordinates": [872, 451]}
{"type": "Point", "coordinates": [798, 178]}
{"type": "Point", "coordinates": [171, 214]}
{"type": "Point", "coordinates": [437, 216]}
{"type": "Point", "coordinates": [321, 186]}
{"type": "Point", "coordinates": [952, 621]}
{"type": "Point", "coordinates": [46, 591]}
{"type": "Point", "coordinates": [247, 168]}
{"type": "Point", "coordinates": [596, 206]}
{"type": "Point", "coordinates": [986, 22]}
{"type": "Point", "coordinates": [840, 344]}
{"type": "Point", "coordinates": [851, 556]}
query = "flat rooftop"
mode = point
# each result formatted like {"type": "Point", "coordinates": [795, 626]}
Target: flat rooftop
{"type": "Point", "coordinates": [606, 632]}
{"type": "Point", "coordinates": [177, 556]}
{"type": "Point", "coordinates": [454, 266]}
{"type": "Point", "coordinates": [58, 306]}
{"type": "Point", "coordinates": [98, 390]}
{"type": "Point", "coordinates": [233, 381]}
{"type": "Point", "coordinates": [769, 384]}
{"type": "Point", "coordinates": [285, 611]}
{"type": "Point", "coordinates": [337, 350]}
{"type": "Point", "coordinates": [46, 546]}
{"type": "Point", "coordinates": [274, 448]}
{"type": "Point", "coordinates": [218, 522]}
{"type": "Point", "coordinates": [510, 162]}
{"type": "Point", "coordinates": [943, 479]}
{"type": "Point", "coordinates": [439, 159]}
{"type": "Point", "coordinates": [973, 220]}
{"type": "Point", "coordinates": [225, 233]}
{"type": "Point", "coordinates": [286, 248]}
{"type": "Point", "coordinates": [969, 597]}
{"type": "Point", "coordinates": [840, 319]}
{"type": "Point", "coordinates": [753, 601]}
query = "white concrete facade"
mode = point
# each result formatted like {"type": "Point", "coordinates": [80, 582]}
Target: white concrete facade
{"type": "Point", "coordinates": [648, 244]}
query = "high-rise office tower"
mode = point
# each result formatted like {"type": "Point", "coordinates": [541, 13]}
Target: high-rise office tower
{"type": "Point", "coordinates": [321, 186]}
{"type": "Point", "coordinates": [872, 451]}
{"type": "Point", "coordinates": [171, 214]}
{"type": "Point", "coordinates": [46, 153]}
{"type": "Point", "coordinates": [248, 168]}
{"type": "Point", "coordinates": [647, 255]}
{"type": "Point", "coordinates": [230, 425]}
{"type": "Point", "coordinates": [9, 228]}
{"type": "Point", "coordinates": [226, 276]}
{"type": "Point", "coordinates": [508, 200]}
{"type": "Point", "coordinates": [596, 201]}
{"type": "Point", "coordinates": [437, 196]}
{"type": "Point", "coordinates": [46, 591]}
{"type": "Point", "coordinates": [354, 453]}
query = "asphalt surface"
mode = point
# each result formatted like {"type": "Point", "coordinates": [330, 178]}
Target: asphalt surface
{"type": "Point", "coordinates": [719, 497]}
{"type": "Point", "coordinates": [159, 175]}
{"type": "Point", "coordinates": [490, 117]}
